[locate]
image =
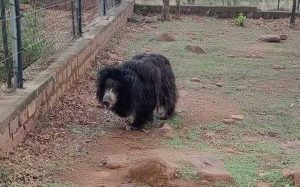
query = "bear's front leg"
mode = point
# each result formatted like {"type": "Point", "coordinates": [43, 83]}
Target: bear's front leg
{"type": "Point", "coordinates": [140, 119]}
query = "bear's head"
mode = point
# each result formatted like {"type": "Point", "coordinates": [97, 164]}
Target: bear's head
{"type": "Point", "coordinates": [112, 87]}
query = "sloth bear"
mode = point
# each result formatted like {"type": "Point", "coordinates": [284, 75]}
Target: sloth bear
{"type": "Point", "coordinates": [137, 87]}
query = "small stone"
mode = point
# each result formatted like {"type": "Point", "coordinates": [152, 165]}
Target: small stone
{"type": "Point", "coordinates": [116, 161]}
{"type": "Point", "coordinates": [270, 38]}
{"type": "Point", "coordinates": [196, 79]}
{"type": "Point", "coordinates": [293, 174]}
{"type": "Point", "coordinates": [195, 49]}
{"type": "Point", "coordinates": [166, 37]}
{"type": "Point", "coordinates": [283, 36]}
{"type": "Point", "coordinates": [228, 121]}
{"type": "Point", "coordinates": [237, 117]}
{"type": "Point", "coordinates": [165, 131]}
{"type": "Point", "coordinates": [214, 174]}
{"type": "Point", "coordinates": [154, 171]}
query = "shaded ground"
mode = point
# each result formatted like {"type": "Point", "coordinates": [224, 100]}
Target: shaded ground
{"type": "Point", "coordinates": [238, 75]}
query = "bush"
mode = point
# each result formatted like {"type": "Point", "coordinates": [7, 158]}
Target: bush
{"type": "Point", "coordinates": [240, 20]}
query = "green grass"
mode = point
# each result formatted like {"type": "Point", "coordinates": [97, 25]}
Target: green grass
{"type": "Point", "coordinates": [244, 169]}
{"type": "Point", "coordinates": [262, 93]}
{"type": "Point", "coordinates": [276, 179]}
{"type": "Point", "coordinates": [175, 121]}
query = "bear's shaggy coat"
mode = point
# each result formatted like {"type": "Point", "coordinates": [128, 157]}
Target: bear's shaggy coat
{"type": "Point", "coordinates": [137, 87]}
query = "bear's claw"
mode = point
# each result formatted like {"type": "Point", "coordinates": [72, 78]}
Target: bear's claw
{"type": "Point", "coordinates": [131, 128]}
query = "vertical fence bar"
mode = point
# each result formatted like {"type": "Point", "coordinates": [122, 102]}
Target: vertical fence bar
{"type": "Point", "coordinates": [19, 44]}
{"type": "Point", "coordinates": [5, 45]}
{"type": "Point", "coordinates": [13, 34]}
{"type": "Point", "coordinates": [79, 17]}
{"type": "Point", "coordinates": [104, 7]}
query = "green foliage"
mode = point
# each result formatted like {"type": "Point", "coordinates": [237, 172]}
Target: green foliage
{"type": "Point", "coordinates": [240, 20]}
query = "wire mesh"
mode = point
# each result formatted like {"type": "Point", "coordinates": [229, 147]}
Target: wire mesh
{"type": "Point", "coordinates": [47, 26]}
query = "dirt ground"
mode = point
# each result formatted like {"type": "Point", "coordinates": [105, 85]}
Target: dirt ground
{"type": "Point", "coordinates": [238, 75]}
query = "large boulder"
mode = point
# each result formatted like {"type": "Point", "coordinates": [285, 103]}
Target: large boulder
{"type": "Point", "coordinates": [214, 174]}
{"type": "Point", "coordinates": [153, 171]}
{"type": "Point", "coordinates": [116, 161]}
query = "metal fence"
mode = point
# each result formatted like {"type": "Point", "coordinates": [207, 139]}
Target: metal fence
{"type": "Point", "coordinates": [32, 31]}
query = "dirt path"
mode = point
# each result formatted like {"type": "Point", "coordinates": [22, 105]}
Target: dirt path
{"type": "Point", "coordinates": [74, 139]}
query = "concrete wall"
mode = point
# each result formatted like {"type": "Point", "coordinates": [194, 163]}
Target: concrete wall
{"type": "Point", "coordinates": [215, 11]}
{"type": "Point", "coordinates": [19, 111]}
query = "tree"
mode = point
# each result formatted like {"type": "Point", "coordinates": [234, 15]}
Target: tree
{"type": "Point", "coordinates": [166, 10]}
{"type": "Point", "coordinates": [298, 4]}
{"type": "Point", "coordinates": [177, 12]}
{"type": "Point", "coordinates": [191, 2]}
{"type": "Point", "coordinates": [293, 16]}
{"type": "Point", "coordinates": [278, 4]}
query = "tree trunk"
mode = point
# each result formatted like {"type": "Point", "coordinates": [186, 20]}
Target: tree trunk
{"type": "Point", "coordinates": [278, 4]}
{"type": "Point", "coordinates": [298, 4]}
{"type": "Point", "coordinates": [293, 16]}
{"type": "Point", "coordinates": [177, 13]}
{"type": "Point", "coordinates": [166, 10]}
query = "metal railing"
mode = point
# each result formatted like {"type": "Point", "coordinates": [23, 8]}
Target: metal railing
{"type": "Point", "coordinates": [33, 31]}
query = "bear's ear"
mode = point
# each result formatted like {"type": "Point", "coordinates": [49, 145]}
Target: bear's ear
{"type": "Point", "coordinates": [102, 74]}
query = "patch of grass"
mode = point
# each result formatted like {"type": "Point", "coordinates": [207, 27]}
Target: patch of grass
{"type": "Point", "coordinates": [215, 127]}
{"type": "Point", "coordinates": [243, 168]}
{"type": "Point", "coordinates": [277, 179]}
{"type": "Point", "coordinates": [176, 143]}
{"type": "Point", "coordinates": [175, 121]}
{"type": "Point", "coordinates": [53, 166]}
{"type": "Point", "coordinates": [187, 171]}
{"type": "Point", "coordinates": [259, 148]}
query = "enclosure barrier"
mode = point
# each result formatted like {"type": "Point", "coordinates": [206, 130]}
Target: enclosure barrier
{"type": "Point", "coordinates": [215, 11]}
{"type": "Point", "coordinates": [20, 110]}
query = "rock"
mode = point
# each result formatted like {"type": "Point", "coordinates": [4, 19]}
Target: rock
{"type": "Point", "coordinates": [214, 174]}
{"type": "Point", "coordinates": [228, 121]}
{"type": "Point", "coordinates": [195, 49]}
{"type": "Point", "coordinates": [270, 38]}
{"type": "Point", "coordinates": [166, 37]}
{"type": "Point", "coordinates": [154, 171]}
{"type": "Point", "coordinates": [196, 79]}
{"type": "Point", "coordinates": [237, 117]}
{"type": "Point", "coordinates": [262, 184]}
{"type": "Point", "coordinates": [293, 174]}
{"type": "Point", "coordinates": [116, 161]}
{"type": "Point", "coordinates": [25, 7]}
{"type": "Point", "coordinates": [166, 131]}
{"type": "Point", "coordinates": [283, 36]}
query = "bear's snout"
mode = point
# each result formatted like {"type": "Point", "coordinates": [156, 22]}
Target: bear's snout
{"type": "Point", "coordinates": [109, 99]}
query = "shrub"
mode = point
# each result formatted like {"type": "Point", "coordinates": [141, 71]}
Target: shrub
{"type": "Point", "coordinates": [240, 20]}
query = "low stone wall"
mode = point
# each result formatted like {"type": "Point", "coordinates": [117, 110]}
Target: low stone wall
{"type": "Point", "coordinates": [215, 11]}
{"type": "Point", "coordinates": [20, 110]}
